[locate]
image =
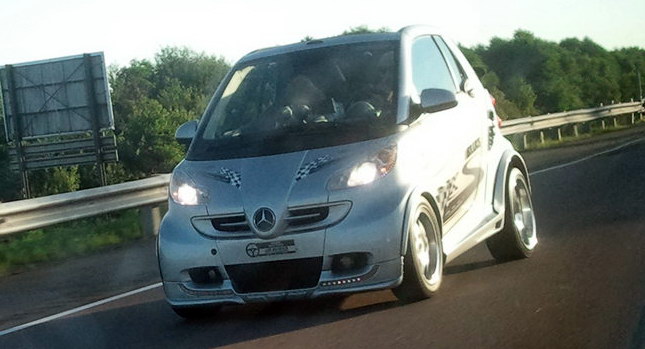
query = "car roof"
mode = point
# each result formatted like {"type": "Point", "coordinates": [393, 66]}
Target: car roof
{"type": "Point", "coordinates": [316, 43]}
{"type": "Point", "coordinates": [412, 30]}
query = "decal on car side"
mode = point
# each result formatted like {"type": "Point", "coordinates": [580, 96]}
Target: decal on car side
{"type": "Point", "coordinates": [473, 147]}
{"type": "Point", "coordinates": [451, 197]}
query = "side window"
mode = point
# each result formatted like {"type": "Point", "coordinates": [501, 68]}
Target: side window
{"type": "Point", "coordinates": [429, 69]}
{"type": "Point", "coordinates": [456, 69]}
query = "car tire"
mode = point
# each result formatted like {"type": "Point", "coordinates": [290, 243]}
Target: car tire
{"type": "Point", "coordinates": [196, 312]}
{"type": "Point", "coordinates": [423, 261]}
{"type": "Point", "coordinates": [518, 237]}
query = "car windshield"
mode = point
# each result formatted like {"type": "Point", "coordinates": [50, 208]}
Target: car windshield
{"type": "Point", "coordinates": [302, 100]}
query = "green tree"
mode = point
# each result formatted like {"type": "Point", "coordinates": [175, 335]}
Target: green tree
{"type": "Point", "coordinates": [594, 69]}
{"type": "Point", "coordinates": [363, 29]}
{"type": "Point", "coordinates": [522, 95]}
{"type": "Point", "coordinates": [531, 61]}
{"type": "Point", "coordinates": [151, 99]}
{"type": "Point", "coordinates": [184, 68]}
{"type": "Point", "coordinates": [54, 180]}
{"type": "Point", "coordinates": [147, 144]}
{"type": "Point", "coordinates": [630, 61]}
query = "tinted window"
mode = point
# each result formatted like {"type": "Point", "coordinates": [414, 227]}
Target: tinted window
{"type": "Point", "coordinates": [429, 70]}
{"type": "Point", "coordinates": [455, 67]}
{"type": "Point", "coordinates": [302, 100]}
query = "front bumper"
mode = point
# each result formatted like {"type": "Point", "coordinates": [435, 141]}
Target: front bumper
{"type": "Point", "coordinates": [381, 276]}
{"type": "Point", "coordinates": [372, 227]}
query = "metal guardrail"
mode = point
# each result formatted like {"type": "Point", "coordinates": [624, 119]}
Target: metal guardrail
{"type": "Point", "coordinates": [537, 123]}
{"type": "Point", "coordinates": [36, 213]}
{"type": "Point", "coordinates": [19, 216]}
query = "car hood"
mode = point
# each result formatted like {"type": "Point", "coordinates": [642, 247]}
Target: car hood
{"type": "Point", "coordinates": [276, 182]}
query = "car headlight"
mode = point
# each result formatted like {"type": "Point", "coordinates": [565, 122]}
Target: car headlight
{"type": "Point", "coordinates": [184, 191]}
{"type": "Point", "coordinates": [368, 171]}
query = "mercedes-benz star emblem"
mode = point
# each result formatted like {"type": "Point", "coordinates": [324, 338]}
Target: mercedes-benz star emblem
{"type": "Point", "coordinates": [264, 219]}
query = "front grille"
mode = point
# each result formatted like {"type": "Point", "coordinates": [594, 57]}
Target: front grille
{"type": "Point", "coordinates": [297, 220]}
{"type": "Point", "coordinates": [307, 216]}
{"type": "Point", "coordinates": [275, 276]}
{"type": "Point", "coordinates": [231, 223]}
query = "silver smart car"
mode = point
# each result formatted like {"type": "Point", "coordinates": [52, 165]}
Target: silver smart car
{"type": "Point", "coordinates": [341, 165]}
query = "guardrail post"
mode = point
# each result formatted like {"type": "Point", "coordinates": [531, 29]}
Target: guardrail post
{"type": "Point", "coordinates": [575, 130]}
{"type": "Point", "coordinates": [633, 119]}
{"type": "Point", "coordinates": [604, 126]}
{"type": "Point", "coordinates": [559, 134]}
{"type": "Point", "coordinates": [150, 219]}
{"type": "Point", "coordinates": [542, 137]}
{"type": "Point", "coordinates": [525, 141]}
{"type": "Point", "coordinates": [615, 122]}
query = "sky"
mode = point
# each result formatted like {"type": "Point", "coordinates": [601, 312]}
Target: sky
{"type": "Point", "coordinates": [137, 29]}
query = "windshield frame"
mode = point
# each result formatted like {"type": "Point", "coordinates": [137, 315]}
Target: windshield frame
{"type": "Point", "coordinates": [195, 154]}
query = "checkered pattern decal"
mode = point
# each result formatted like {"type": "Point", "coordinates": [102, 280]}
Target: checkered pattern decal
{"type": "Point", "coordinates": [228, 176]}
{"type": "Point", "coordinates": [312, 166]}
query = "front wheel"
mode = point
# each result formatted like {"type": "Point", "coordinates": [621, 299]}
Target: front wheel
{"type": "Point", "coordinates": [423, 260]}
{"type": "Point", "coordinates": [518, 237]}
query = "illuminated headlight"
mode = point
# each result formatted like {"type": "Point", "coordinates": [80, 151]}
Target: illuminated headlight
{"type": "Point", "coordinates": [364, 173]}
{"type": "Point", "coordinates": [367, 172]}
{"type": "Point", "coordinates": [183, 191]}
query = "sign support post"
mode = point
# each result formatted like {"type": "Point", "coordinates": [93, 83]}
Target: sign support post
{"type": "Point", "coordinates": [17, 126]}
{"type": "Point", "coordinates": [96, 133]}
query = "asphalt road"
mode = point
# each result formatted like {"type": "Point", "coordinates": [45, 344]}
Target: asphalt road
{"type": "Point", "coordinates": [584, 287]}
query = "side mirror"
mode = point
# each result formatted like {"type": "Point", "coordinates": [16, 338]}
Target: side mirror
{"type": "Point", "coordinates": [436, 99]}
{"type": "Point", "coordinates": [185, 133]}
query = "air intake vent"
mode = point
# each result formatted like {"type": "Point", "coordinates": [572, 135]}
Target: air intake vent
{"type": "Point", "coordinates": [230, 224]}
{"type": "Point", "coordinates": [307, 216]}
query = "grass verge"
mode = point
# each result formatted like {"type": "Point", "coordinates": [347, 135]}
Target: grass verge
{"type": "Point", "coordinates": [65, 240]}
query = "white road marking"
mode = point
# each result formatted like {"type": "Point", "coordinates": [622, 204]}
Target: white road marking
{"type": "Point", "coordinates": [79, 309]}
{"type": "Point", "coordinates": [153, 286]}
{"type": "Point", "coordinates": [567, 164]}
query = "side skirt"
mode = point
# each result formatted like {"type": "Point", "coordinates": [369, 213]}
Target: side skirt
{"type": "Point", "coordinates": [489, 226]}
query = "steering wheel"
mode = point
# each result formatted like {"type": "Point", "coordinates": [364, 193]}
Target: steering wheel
{"type": "Point", "coordinates": [362, 110]}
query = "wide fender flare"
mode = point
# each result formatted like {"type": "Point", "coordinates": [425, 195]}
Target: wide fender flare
{"type": "Point", "coordinates": [510, 158]}
{"type": "Point", "coordinates": [413, 200]}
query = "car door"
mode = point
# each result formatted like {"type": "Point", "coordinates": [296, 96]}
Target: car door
{"type": "Point", "coordinates": [450, 139]}
{"type": "Point", "coordinates": [471, 177]}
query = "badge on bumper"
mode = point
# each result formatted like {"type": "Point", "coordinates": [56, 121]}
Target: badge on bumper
{"type": "Point", "coordinates": [261, 249]}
